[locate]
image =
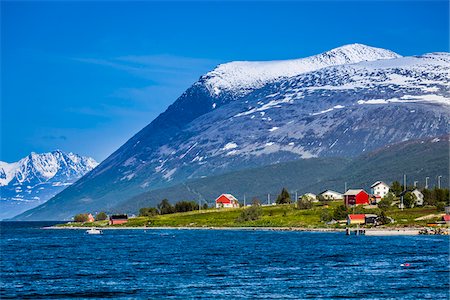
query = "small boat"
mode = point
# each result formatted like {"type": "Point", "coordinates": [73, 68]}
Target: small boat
{"type": "Point", "coordinates": [94, 231]}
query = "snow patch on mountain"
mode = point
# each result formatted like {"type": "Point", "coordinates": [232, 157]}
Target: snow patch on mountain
{"type": "Point", "coordinates": [242, 77]}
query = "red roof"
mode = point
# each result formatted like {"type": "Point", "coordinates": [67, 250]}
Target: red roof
{"type": "Point", "coordinates": [357, 216]}
{"type": "Point", "coordinates": [446, 218]}
{"type": "Point", "coordinates": [226, 198]}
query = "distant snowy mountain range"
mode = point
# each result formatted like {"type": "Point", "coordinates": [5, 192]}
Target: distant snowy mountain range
{"type": "Point", "coordinates": [37, 177]}
{"type": "Point", "coordinates": [341, 103]}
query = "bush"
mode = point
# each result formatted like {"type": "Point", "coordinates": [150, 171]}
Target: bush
{"type": "Point", "coordinates": [250, 214]}
{"type": "Point", "coordinates": [325, 215]}
{"type": "Point", "coordinates": [440, 206]}
{"type": "Point", "coordinates": [81, 218]}
{"type": "Point", "coordinates": [284, 197]}
{"type": "Point", "coordinates": [304, 203]}
{"type": "Point", "coordinates": [148, 212]}
{"type": "Point", "coordinates": [101, 216]}
{"type": "Point", "coordinates": [205, 206]}
{"type": "Point", "coordinates": [340, 213]}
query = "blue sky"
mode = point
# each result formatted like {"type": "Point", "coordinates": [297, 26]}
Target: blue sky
{"type": "Point", "coordinates": [86, 76]}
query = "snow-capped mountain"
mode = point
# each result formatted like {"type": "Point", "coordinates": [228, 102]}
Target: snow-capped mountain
{"type": "Point", "coordinates": [340, 103]}
{"type": "Point", "coordinates": [37, 177]}
{"type": "Point", "coordinates": [241, 77]}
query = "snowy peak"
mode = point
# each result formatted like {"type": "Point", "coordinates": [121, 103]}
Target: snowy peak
{"type": "Point", "coordinates": [43, 167]}
{"type": "Point", "coordinates": [241, 77]}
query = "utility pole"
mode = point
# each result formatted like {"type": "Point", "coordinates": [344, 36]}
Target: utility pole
{"type": "Point", "coordinates": [426, 182]}
{"type": "Point", "coordinates": [415, 183]}
{"type": "Point", "coordinates": [404, 189]}
{"type": "Point", "coordinates": [296, 196]}
{"type": "Point", "coordinates": [345, 187]}
{"type": "Point", "coordinates": [244, 200]}
{"type": "Point", "coordinates": [268, 199]}
{"type": "Point", "coordinates": [439, 181]}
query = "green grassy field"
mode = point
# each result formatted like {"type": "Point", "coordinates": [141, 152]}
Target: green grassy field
{"type": "Point", "coordinates": [272, 216]}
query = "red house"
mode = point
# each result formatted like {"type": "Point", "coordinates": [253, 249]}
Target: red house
{"type": "Point", "coordinates": [118, 219]}
{"type": "Point", "coordinates": [356, 197]}
{"type": "Point", "coordinates": [226, 200]}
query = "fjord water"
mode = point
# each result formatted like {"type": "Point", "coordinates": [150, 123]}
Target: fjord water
{"type": "Point", "coordinates": [183, 264]}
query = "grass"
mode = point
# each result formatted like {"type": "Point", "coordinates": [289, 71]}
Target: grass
{"type": "Point", "coordinates": [272, 216]}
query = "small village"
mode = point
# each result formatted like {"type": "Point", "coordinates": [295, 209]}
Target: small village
{"type": "Point", "coordinates": [355, 209]}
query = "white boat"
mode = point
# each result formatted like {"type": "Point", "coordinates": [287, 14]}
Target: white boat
{"type": "Point", "coordinates": [94, 231]}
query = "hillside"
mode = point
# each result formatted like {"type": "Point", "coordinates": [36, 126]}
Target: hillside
{"type": "Point", "coordinates": [417, 159]}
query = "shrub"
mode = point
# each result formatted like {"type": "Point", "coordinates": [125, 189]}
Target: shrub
{"type": "Point", "coordinates": [81, 218]}
{"type": "Point", "coordinates": [101, 216]}
{"type": "Point", "coordinates": [383, 219]}
{"type": "Point", "coordinates": [250, 214]}
{"type": "Point", "coordinates": [205, 206]}
{"type": "Point", "coordinates": [325, 215]}
{"type": "Point", "coordinates": [440, 206]}
{"type": "Point", "coordinates": [304, 203]}
{"type": "Point", "coordinates": [340, 213]}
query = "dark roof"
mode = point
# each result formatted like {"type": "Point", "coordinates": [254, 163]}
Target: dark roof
{"type": "Point", "coordinates": [119, 217]}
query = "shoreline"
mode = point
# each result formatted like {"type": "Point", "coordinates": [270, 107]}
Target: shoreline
{"type": "Point", "coordinates": [408, 231]}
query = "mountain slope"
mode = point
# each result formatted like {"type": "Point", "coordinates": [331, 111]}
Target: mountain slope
{"type": "Point", "coordinates": [340, 103]}
{"type": "Point", "coordinates": [418, 159]}
{"type": "Point", "coordinates": [38, 177]}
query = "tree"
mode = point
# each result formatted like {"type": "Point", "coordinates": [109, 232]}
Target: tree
{"type": "Point", "coordinates": [383, 219]}
{"type": "Point", "coordinates": [304, 203]}
{"type": "Point", "coordinates": [165, 207]}
{"type": "Point", "coordinates": [340, 212]}
{"type": "Point", "coordinates": [386, 202]}
{"type": "Point", "coordinates": [205, 206]}
{"type": "Point", "coordinates": [148, 212]}
{"type": "Point", "coordinates": [409, 199]}
{"type": "Point", "coordinates": [396, 188]}
{"type": "Point", "coordinates": [250, 214]}
{"type": "Point", "coordinates": [185, 206]}
{"type": "Point", "coordinates": [284, 197]}
{"type": "Point", "coordinates": [429, 197]}
{"type": "Point", "coordinates": [101, 216]}
{"type": "Point", "coordinates": [256, 202]}
{"type": "Point", "coordinates": [81, 218]}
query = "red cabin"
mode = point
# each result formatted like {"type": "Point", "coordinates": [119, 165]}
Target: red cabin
{"type": "Point", "coordinates": [356, 197]}
{"type": "Point", "coordinates": [118, 219]}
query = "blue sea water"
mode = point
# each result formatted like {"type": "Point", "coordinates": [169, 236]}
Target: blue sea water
{"type": "Point", "coordinates": [212, 264]}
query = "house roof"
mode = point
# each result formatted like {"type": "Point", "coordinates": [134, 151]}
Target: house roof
{"type": "Point", "coordinates": [446, 218]}
{"type": "Point", "coordinates": [356, 216]}
{"type": "Point", "coordinates": [353, 192]}
{"type": "Point", "coordinates": [330, 191]}
{"type": "Point", "coordinates": [378, 183]}
{"type": "Point", "coordinates": [118, 217]}
{"type": "Point", "coordinates": [229, 197]}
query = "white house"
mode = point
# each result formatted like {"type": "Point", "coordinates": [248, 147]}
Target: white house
{"type": "Point", "coordinates": [332, 195]}
{"type": "Point", "coordinates": [379, 189]}
{"type": "Point", "coordinates": [419, 197]}
{"type": "Point", "coordinates": [310, 196]}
